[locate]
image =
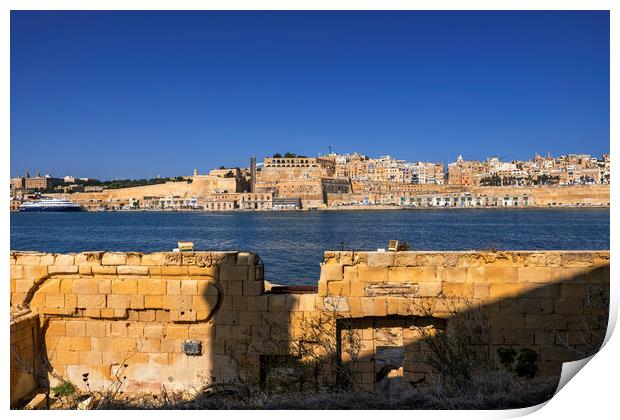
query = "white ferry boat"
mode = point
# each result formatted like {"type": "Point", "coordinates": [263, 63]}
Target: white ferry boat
{"type": "Point", "coordinates": [49, 204]}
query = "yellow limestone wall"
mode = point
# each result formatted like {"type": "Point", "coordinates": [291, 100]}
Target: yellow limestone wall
{"type": "Point", "coordinates": [122, 318]}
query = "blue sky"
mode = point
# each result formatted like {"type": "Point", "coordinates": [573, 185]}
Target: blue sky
{"type": "Point", "coordinates": [140, 94]}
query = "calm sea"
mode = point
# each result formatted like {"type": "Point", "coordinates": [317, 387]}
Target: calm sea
{"type": "Point", "coordinates": [291, 244]}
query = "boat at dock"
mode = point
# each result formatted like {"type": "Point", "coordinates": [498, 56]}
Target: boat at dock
{"type": "Point", "coordinates": [49, 204]}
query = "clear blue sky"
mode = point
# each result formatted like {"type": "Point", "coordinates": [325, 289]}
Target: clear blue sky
{"type": "Point", "coordinates": [140, 94]}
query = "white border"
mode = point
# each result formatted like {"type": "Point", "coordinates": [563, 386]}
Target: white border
{"type": "Point", "coordinates": [592, 394]}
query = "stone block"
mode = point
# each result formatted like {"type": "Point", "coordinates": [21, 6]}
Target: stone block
{"type": "Point", "coordinates": [56, 329]}
{"type": "Point", "coordinates": [50, 286]}
{"type": "Point", "coordinates": [380, 306]}
{"type": "Point", "coordinates": [234, 288]}
{"type": "Point", "coordinates": [568, 306]}
{"type": "Point", "coordinates": [84, 286]}
{"type": "Point", "coordinates": [132, 270]}
{"type": "Point", "coordinates": [154, 331]}
{"type": "Point", "coordinates": [135, 329]}
{"type": "Point", "coordinates": [350, 274]}
{"type": "Point", "coordinates": [207, 288]}
{"type": "Point", "coordinates": [97, 328]}
{"type": "Point", "coordinates": [307, 303]}
{"type": "Point", "coordinates": [147, 316]}
{"type": "Point", "coordinates": [502, 274]}
{"type": "Point", "coordinates": [372, 274]}
{"type": "Point", "coordinates": [134, 258]}
{"type": "Point", "coordinates": [47, 259]}
{"type": "Point", "coordinates": [535, 306]}
{"type": "Point", "coordinates": [88, 258]}
{"type": "Point", "coordinates": [173, 287]}
{"type": "Point", "coordinates": [157, 258]}
{"type": "Point", "coordinates": [28, 259]}
{"type": "Point", "coordinates": [233, 272]}
{"type": "Point", "coordinates": [452, 274]}
{"type": "Point", "coordinates": [153, 301]}
{"type": "Point", "coordinates": [34, 272]}
{"type": "Point", "coordinates": [202, 272]}
{"type": "Point", "coordinates": [75, 328]}
{"type": "Point", "coordinates": [429, 289]}
{"type": "Point", "coordinates": [253, 288]}
{"type": "Point", "coordinates": [544, 337]}
{"type": "Point", "coordinates": [91, 301]}
{"type": "Point", "coordinates": [152, 286]}
{"type": "Point", "coordinates": [23, 285]}
{"type": "Point", "coordinates": [114, 258]}
{"type": "Point", "coordinates": [124, 286]}
{"type": "Point", "coordinates": [573, 291]}
{"type": "Point", "coordinates": [476, 275]}
{"type": "Point", "coordinates": [64, 259]}
{"type": "Point", "coordinates": [246, 258]}
{"type": "Point", "coordinates": [118, 301]}
{"type": "Point", "coordinates": [338, 288]}
{"type": "Point", "coordinates": [536, 274]}
{"type": "Point", "coordinates": [400, 274]}
{"type": "Point", "coordinates": [458, 290]}
{"type": "Point", "coordinates": [177, 331]}
{"type": "Point", "coordinates": [259, 303]}
{"type": "Point", "coordinates": [545, 321]}
{"type": "Point", "coordinates": [90, 358]}
{"type": "Point", "coordinates": [71, 300]}
{"type": "Point", "coordinates": [79, 343]}
{"type": "Point", "coordinates": [504, 290]}
{"type": "Point", "coordinates": [481, 291]}
{"type": "Point", "coordinates": [16, 271]}
{"type": "Point", "coordinates": [124, 344]}
{"type": "Point", "coordinates": [175, 270]}
{"type": "Point", "coordinates": [249, 318]}
{"type": "Point", "coordinates": [336, 304]}
{"type": "Point", "coordinates": [201, 303]}
{"type": "Point", "coordinates": [189, 287]}
{"type": "Point", "coordinates": [577, 259]}
{"type": "Point", "coordinates": [85, 270]}
{"type": "Point", "coordinates": [136, 301]}
{"type": "Point", "coordinates": [331, 272]}
{"type": "Point", "coordinates": [66, 357]}
{"type": "Point", "coordinates": [379, 259]}
{"type": "Point", "coordinates": [277, 303]}
{"type": "Point", "coordinates": [177, 302]}
{"type": "Point", "coordinates": [103, 270]}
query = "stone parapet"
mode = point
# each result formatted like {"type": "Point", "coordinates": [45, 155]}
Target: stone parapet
{"type": "Point", "coordinates": [126, 318]}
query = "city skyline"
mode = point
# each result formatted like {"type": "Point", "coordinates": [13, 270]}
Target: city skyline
{"type": "Point", "coordinates": [140, 94]}
{"type": "Point", "coordinates": [502, 158]}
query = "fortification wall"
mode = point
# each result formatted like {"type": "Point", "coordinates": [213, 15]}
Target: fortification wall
{"type": "Point", "coordinates": [123, 318]}
{"type": "Point", "coordinates": [24, 357]}
{"type": "Point", "coordinates": [597, 195]}
{"type": "Point", "coordinates": [201, 185]}
{"type": "Point", "coordinates": [543, 196]}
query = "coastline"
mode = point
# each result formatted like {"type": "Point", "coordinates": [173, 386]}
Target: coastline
{"type": "Point", "coordinates": [347, 208]}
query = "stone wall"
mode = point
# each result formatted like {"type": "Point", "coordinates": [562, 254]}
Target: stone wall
{"type": "Point", "coordinates": [521, 299]}
{"type": "Point", "coordinates": [24, 357]}
{"type": "Point", "coordinates": [125, 318]}
{"type": "Point", "coordinates": [543, 196]}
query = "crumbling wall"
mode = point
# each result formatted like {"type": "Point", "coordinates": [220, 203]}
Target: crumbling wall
{"type": "Point", "coordinates": [24, 351]}
{"type": "Point", "coordinates": [121, 320]}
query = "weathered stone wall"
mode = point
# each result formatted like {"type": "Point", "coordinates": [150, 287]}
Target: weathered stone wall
{"type": "Point", "coordinates": [522, 299]}
{"type": "Point", "coordinates": [543, 196]}
{"type": "Point", "coordinates": [123, 318]}
{"type": "Point", "coordinates": [24, 360]}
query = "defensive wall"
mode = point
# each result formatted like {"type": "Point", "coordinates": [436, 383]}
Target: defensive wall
{"type": "Point", "coordinates": [201, 185]}
{"type": "Point", "coordinates": [541, 196]}
{"type": "Point", "coordinates": [101, 319]}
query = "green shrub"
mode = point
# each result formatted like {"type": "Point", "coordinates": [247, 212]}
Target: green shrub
{"type": "Point", "coordinates": [64, 389]}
